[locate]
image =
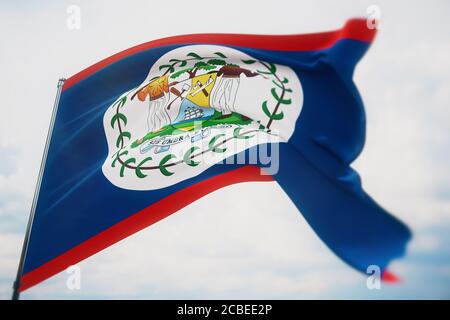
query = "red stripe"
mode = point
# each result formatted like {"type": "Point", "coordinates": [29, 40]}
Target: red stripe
{"type": "Point", "coordinates": [139, 221]}
{"type": "Point", "coordinates": [390, 277]}
{"type": "Point", "coordinates": [355, 29]}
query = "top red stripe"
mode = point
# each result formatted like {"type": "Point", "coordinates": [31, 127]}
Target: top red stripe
{"type": "Point", "coordinates": [355, 29]}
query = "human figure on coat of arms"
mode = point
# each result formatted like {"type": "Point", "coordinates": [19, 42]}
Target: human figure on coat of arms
{"type": "Point", "coordinates": [213, 91]}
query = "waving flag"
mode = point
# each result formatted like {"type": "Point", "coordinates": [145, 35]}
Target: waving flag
{"type": "Point", "coordinates": [147, 131]}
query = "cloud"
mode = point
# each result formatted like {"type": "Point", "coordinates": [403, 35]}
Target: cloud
{"type": "Point", "coordinates": [9, 157]}
{"type": "Point", "coordinates": [9, 253]}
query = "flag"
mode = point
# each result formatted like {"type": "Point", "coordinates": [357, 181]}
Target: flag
{"type": "Point", "coordinates": [147, 131]}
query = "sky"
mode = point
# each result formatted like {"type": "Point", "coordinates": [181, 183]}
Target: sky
{"type": "Point", "coordinates": [259, 247]}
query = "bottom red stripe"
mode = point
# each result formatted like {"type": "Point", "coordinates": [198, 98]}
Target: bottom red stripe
{"type": "Point", "coordinates": [139, 221]}
{"type": "Point", "coordinates": [389, 277]}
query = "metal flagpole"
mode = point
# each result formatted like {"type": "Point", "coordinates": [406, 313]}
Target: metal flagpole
{"type": "Point", "coordinates": [16, 286]}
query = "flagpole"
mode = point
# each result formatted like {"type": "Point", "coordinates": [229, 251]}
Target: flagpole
{"type": "Point", "coordinates": [16, 285]}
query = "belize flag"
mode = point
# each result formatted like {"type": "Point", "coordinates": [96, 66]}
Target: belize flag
{"type": "Point", "coordinates": [147, 131]}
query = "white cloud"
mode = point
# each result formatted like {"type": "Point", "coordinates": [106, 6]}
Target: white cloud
{"type": "Point", "coordinates": [425, 243]}
{"type": "Point", "coordinates": [9, 253]}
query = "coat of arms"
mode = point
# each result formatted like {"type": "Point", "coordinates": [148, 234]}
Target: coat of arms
{"type": "Point", "coordinates": [198, 106]}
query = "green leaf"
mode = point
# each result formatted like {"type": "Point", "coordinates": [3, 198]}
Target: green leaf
{"type": "Point", "coordinates": [187, 157]}
{"type": "Point", "coordinates": [115, 154]}
{"type": "Point", "coordinates": [263, 72]}
{"type": "Point", "coordinates": [174, 60]}
{"type": "Point", "coordinates": [212, 144]}
{"type": "Point", "coordinates": [275, 95]}
{"type": "Point", "coordinates": [265, 109]}
{"type": "Point", "coordinates": [206, 67]}
{"type": "Point", "coordinates": [273, 68]}
{"type": "Point", "coordinates": [118, 117]}
{"type": "Point", "coordinates": [120, 102]}
{"type": "Point", "coordinates": [118, 155]}
{"type": "Point", "coordinates": [167, 66]}
{"type": "Point", "coordinates": [217, 62]}
{"type": "Point", "coordinates": [183, 63]}
{"type": "Point", "coordinates": [119, 142]}
{"type": "Point", "coordinates": [285, 80]}
{"type": "Point", "coordinates": [274, 116]}
{"type": "Point", "coordinates": [125, 163]}
{"type": "Point", "coordinates": [248, 61]}
{"type": "Point", "coordinates": [237, 134]}
{"type": "Point", "coordinates": [278, 84]}
{"type": "Point", "coordinates": [220, 54]}
{"type": "Point", "coordinates": [194, 55]}
{"type": "Point", "coordinates": [179, 73]}
{"type": "Point", "coordinates": [200, 64]}
{"type": "Point", "coordinates": [163, 170]}
{"type": "Point", "coordinates": [277, 116]}
{"type": "Point", "coordinates": [138, 169]}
